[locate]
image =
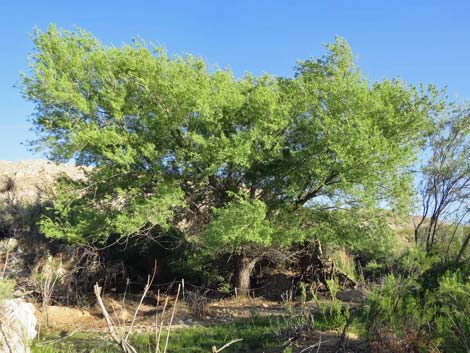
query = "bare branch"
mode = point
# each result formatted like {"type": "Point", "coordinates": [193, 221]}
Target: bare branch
{"type": "Point", "coordinates": [215, 350]}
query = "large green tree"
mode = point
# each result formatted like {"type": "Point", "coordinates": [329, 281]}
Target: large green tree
{"type": "Point", "coordinates": [171, 142]}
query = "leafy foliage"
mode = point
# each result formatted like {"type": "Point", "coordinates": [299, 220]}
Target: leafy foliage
{"type": "Point", "coordinates": [235, 164]}
{"type": "Point", "coordinates": [241, 222]}
{"type": "Point", "coordinates": [454, 323]}
{"type": "Point", "coordinates": [7, 287]}
{"type": "Point", "coordinates": [413, 313]}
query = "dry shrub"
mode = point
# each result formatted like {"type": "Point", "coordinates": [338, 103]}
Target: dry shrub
{"type": "Point", "coordinates": [295, 327]}
{"type": "Point", "coordinates": [197, 301]}
{"type": "Point", "coordinates": [8, 185]}
{"type": "Point", "coordinates": [386, 341]}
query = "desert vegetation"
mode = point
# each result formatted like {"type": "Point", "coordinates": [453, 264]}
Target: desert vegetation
{"type": "Point", "coordinates": [206, 212]}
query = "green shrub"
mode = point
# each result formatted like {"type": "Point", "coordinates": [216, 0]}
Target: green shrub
{"type": "Point", "coordinates": [344, 262]}
{"type": "Point", "coordinates": [453, 323]}
{"type": "Point", "coordinates": [410, 313]}
{"type": "Point", "coordinates": [7, 286]}
{"type": "Point", "coordinates": [334, 313]}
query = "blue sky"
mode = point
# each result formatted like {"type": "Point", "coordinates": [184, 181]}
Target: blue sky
{"type": "Point", "coordinates": [419, 41]}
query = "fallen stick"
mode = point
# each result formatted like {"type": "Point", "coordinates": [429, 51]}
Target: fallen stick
{"type": "Point", "coordinates": [215, 350]}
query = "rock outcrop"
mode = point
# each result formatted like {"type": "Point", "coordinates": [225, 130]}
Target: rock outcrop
{"type": "Point", "coordinates": [25, 187]}
{"type": "Point", "coordinates": [31, 181]}
{"type": "Point", "coordinates": [17, 326]}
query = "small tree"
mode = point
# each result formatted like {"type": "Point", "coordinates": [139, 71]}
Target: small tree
{"type": "Point", "coordinates": [445, 187]}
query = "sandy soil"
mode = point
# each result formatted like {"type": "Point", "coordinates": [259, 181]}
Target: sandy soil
{"type": "Point", "coordinates": [68, 319]}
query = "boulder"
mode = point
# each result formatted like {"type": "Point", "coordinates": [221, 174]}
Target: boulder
{"type": "Point", "coordinates": [17, 326]}
{"type": "Point", "coordinates": [355, 295]}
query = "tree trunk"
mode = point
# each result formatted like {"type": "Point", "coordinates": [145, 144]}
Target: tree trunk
{"type": "Point", "coordinates": [244, 266]}
{"type": "Point", "coordinates": [462, 249]}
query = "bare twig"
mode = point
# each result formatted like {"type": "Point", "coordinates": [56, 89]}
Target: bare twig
{"type": "Point", "coordinates": [144, 294]}
{"type": "Point", "coordinates": [157, 347]}
{"type": "Point", "coordinates": [171, 319]}
{"type": "Point", "coordinates": [316, 345]}
{"type": "Point", "coordinates": [215, 350]}
{"type": "Point", "coordinates": [122, 340]}
{"type": "Point", "coordinates": [60, 339]}
{"type": "Point", "coordinates": [107, 317]}
{"type": "Point", "coordinates": [6, 260]}
{"type": "Point", "coordinates": [156, 322]}
{"type": "Point", "coordinates": [6, 339]}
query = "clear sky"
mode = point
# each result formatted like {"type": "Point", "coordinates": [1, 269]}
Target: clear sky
{"type": "Point", "coordinates": [419, 41]}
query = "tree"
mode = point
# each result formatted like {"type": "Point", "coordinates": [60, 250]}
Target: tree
{"type": "Point", "coordinates": [241, 228]}
{"type": "Point", "coordinates": [445, 187]}
{"type": "Point", "coordinates": [172, 143]}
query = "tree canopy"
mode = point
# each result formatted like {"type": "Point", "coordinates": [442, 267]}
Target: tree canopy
{"type": "Point", "coordinates": [173, 142]}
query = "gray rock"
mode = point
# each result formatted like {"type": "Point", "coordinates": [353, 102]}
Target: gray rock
{"type": "Point", "coordinates": [356, 295]}
{"type": "Point", "coordinates": [18, 326]}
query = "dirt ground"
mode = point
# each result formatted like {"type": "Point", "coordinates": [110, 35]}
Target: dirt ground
{"type": "Point", "coordinates": [90, 319]}
{"type": "Point", "coordinates": [68, 320]}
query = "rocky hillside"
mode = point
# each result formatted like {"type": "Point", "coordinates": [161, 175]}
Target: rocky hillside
{"type": "Point", "coordinates": [30, 181]}
{"type": "Point", "coordinates": [25, 186]}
